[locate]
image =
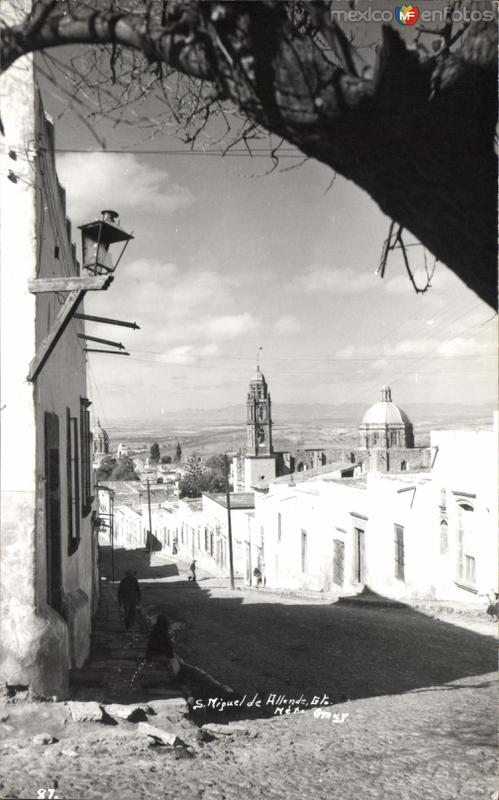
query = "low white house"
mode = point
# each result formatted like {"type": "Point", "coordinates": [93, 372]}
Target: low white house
{"type": "Point", "coordinates": [307, 545]}
{"type": "Point", "coordinates": [217, 531]}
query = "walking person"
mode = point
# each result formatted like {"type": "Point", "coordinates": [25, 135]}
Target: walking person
{"type": "Point", "coordinates": [258, 575]}
{"type": "Point", "coordinates": [493, 607]}
{"type": "Point", "coordinates": [160, 646]}
{"type": "Point", "coordinates": [129, 597]}
{"type": "Point", "coordinates": [192, 568]}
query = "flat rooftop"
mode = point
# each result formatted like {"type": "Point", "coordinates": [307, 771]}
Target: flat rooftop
{"type": "Point", "coordinates": [318, 472]}
{"type": "Point", "coordinates": [238, 500]}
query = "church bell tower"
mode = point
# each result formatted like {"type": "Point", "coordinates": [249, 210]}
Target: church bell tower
{"type": "Point", "coordinates": [259, 420]}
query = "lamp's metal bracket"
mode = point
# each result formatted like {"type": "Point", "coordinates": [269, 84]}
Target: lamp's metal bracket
{"type": "Point", "coordinates": [76, 288]}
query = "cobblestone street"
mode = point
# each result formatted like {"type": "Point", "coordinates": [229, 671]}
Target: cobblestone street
{"type": "Point", "coordinates": [413, 714]}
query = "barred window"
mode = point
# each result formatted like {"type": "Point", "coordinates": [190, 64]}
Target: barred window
{"type": "Point", "coordinates": [86, 457]}
{"type": "Point", "coordinates": [339, 562]}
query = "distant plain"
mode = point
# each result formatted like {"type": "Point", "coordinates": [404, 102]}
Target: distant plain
{"type": "Point", "coordinates": [213, 431]}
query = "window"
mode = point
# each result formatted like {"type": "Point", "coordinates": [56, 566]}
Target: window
{"type": "Point", "coordinates": [206, 538]}
{"type": "Point", "coordinates": [469, 569]}
{"type": "Point", "coordinates": [303, 550]}
{"type": "Point", "coordinates": [466, 568]}
{"type": "Point", "coordinates": [279, 527]}
{"type": "Point", "coordinates": [86, 457]}
{"type": "Point", "coordinates": [338, 562]}
{"type": "Point", "coordinates": [399, 553]}
{"type": "Point", "coordinates": [358, 555]}
{"type": "Point", "coordinates": [403, 466]}
{"type": "Point", "coordinates": [73, 482]}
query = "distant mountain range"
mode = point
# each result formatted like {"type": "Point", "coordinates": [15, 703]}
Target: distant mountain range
{"type": "Point", "coordinates": [348, 413]}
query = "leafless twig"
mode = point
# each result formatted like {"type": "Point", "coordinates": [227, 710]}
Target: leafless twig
{"type": "Point", "coordinates": [395, 241]}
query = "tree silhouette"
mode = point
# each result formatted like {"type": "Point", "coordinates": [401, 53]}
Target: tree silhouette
{"type": "Point", "coordinates": [112, 469]}
{"type": "Point", "coordinates": [105, 469]}
{"type": "Point", "coordinates": [178, 453]}
{"type": "Point", "coordinates": [124, 470]}
{"type": "Point", "coordinates": [415, 129]}
{"type": "Point", "coordinates": [194, 477]}
{"type": "Point", "coordinates": [155, 452]}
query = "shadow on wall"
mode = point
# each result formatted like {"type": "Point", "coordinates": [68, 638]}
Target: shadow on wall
{"type": "Point", "coordinates": [265, 645]}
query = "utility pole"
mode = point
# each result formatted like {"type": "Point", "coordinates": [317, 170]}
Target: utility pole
{"type": "Point", "coordinates": [149, 538]}
{"type": "Point", "coordinates": [229, 521]}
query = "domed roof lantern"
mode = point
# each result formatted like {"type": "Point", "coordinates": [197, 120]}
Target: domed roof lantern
{"type": "Point", "coordinates": [386, 394]}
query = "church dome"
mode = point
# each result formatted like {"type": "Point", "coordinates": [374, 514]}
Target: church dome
{"type": "Point", "coordinates": [385, 413]}
{"type": "Point", "coordinates": [100, 439]}
{"type": "Point", "coordinates": [385, 424]}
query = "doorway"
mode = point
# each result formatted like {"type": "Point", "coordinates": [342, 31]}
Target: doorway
{"type": "Point", "coordinates": [53, 511]}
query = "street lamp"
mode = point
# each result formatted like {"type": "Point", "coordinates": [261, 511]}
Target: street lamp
{"type": "Point", "coordinates": [97, 237]}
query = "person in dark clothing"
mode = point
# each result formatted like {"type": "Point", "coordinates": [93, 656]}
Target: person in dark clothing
{"type": "Point", "coordinates": [160, 646]}
{"type": "Point", "coordinates": [493, 607]}
{"type": "Point", "coordinates": [258, 575]}
{"type": "Point", "coordinates": [128, 597]}
{"type": "Point", "coordinates": [192, 568]}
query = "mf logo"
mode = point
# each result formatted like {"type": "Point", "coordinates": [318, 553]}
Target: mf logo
{"type": "Point", "coordinates": [406, 15]}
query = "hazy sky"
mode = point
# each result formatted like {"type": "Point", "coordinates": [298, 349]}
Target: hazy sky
{"type": "Point", "coordinates": [226, 259]}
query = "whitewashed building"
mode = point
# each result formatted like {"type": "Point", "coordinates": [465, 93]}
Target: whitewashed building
{"type": "Point", "coordinates": [429, 534]}
{"type": "Point", "coordinates": [48, 547]}
{"type": "Point", "coordinates": [464, 478]}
